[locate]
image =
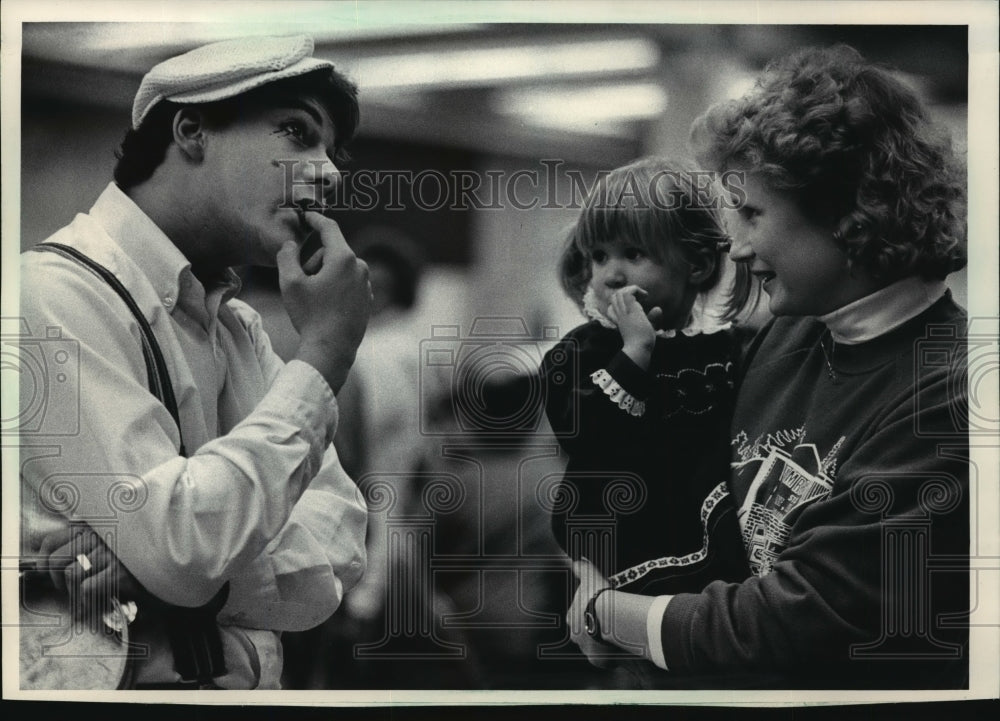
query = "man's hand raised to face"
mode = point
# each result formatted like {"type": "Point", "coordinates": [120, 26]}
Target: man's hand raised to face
{"type": "Point", "coordinates": [329, 301]}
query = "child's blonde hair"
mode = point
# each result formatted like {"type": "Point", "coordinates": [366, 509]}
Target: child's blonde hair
{"type": "Point", "coordinates": [664, 207]}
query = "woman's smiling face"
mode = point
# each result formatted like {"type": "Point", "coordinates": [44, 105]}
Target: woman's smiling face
{"type": "Point", "coordinates": [802, 269]}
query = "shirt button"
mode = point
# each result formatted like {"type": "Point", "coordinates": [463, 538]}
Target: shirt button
{"type": "Point", "coordinates": [168, 301]}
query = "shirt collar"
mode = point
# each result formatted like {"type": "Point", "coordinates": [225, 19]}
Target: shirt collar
{"type": "Point", "coordinates": [164, 266]}
{"type": "Point", "coordinates": [886, 309]}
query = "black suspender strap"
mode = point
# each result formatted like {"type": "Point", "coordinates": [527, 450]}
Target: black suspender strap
{"type": "Point", "coordinates": [156, 367]}
{"type": "Point", "coordinates": [194, 633]}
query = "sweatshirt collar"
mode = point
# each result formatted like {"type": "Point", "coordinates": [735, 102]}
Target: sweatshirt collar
{"type": "Point", "coordinates": [882, 311]}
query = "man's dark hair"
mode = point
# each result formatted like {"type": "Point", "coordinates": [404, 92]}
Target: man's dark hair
{"type": "Point", "coordinates": [142, 150]}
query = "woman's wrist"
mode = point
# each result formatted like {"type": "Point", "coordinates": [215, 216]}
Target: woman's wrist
{"type": "Point", "coordinates": [622, 618]}
{"type": "Point", "coordinates": [594, 623]}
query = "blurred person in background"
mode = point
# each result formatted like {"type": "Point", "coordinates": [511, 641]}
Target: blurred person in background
{"type": "Point", "coordinates": [385, 389]}
{"type": "Point", "coordinates": [383, 443]}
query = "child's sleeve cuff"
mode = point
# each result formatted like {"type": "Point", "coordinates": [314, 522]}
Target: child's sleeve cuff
{"type": "Point", "coordinates": [624, 383]}
{"type": "Point", "coordinates": [616, 394]}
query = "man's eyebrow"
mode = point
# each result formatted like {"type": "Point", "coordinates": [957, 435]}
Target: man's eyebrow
{"type": "Point", "coordinates": [312, 109]}
{"type": "Point", "coordinates": [299, 104]}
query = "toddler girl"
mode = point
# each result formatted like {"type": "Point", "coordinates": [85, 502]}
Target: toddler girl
{"type": "Point", "coordinates": [646, 422]}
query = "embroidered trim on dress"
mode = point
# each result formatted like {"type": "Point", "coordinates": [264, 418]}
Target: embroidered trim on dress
{"type": "Point", "coordinates": [618, 395]}
{"type": "Point", "coordinates": [637, 572]}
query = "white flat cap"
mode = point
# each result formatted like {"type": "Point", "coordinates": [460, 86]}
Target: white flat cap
{"type": "Point", "coordinates": [224, 69]}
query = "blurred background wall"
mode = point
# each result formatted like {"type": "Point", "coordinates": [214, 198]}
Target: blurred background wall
{"type": "Point", "coordinates": [552, 105]}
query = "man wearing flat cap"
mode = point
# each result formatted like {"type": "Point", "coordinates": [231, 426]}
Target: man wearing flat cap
{"type": "Point", "coordinates": [232, 519]}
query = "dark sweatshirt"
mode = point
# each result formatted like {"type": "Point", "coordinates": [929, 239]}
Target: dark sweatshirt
{"type": "Point", "coordinates": [850, 466]}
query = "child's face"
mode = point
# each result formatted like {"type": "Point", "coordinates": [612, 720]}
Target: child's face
{"type": "Point", "coordinates": [802, 269]}
{"type": "Point", "coordinates": [615, 265]}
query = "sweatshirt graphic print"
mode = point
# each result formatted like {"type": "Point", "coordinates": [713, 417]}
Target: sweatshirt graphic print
{"type": "Point", "coordinates": [790, 475]}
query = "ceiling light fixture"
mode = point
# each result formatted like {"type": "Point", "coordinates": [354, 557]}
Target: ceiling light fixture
{"type": "Point", "coordinates": [595, 108]}
{"type": "Point", "coordinates": [487, 66]}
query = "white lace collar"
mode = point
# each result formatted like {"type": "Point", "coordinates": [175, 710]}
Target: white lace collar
{"type": "Point", "coordinates": [707, 312]}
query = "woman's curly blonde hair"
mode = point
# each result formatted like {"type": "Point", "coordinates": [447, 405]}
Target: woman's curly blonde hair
{"type": "Point", "coordinates": [856, 148]}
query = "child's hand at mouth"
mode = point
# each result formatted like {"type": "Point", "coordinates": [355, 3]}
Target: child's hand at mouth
{"type": "Point", "coordinates": [638, 328]}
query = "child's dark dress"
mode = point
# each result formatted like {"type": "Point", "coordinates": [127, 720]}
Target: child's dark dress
{"type": "Point", "coordinates": [648, 458]}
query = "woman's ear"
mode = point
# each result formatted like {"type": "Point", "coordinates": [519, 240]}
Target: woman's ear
{"type": "Point", "coordinates": [189, 133]}
{"type": "Point", "coordinates": [703, 266]}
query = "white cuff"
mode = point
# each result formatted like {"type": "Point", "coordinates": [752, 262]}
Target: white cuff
{"type": "Point", "coordinates": [618, 395]}
{"type": "Point", "coordinates": [654, 624]}
{"type": "Point", "coordinates": [312, 402]}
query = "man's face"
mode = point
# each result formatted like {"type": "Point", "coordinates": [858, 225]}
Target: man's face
{"type": "Point", "coordinates": [258, 170]}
